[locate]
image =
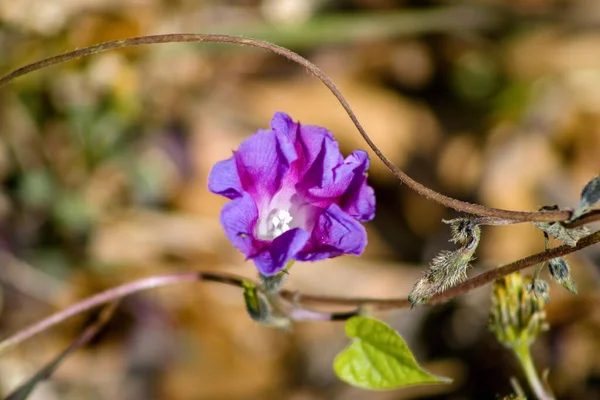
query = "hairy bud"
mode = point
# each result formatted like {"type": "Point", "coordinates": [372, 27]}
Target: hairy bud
{"type": "Point", "coordinates": [448, 268]}
{"type": "Point", "coordinates": [461, 230]}
{"type": "Point", "coordinates": [272, 284]}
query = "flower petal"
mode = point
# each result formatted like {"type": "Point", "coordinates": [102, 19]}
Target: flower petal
{"type": "Point", "coordinates": [280, 251]}
{"type": "Point", "coordinates": [359, 198]}
{"type": "Point", "coordinates": [262, 161]}
{"type": "Point", "coordinates": [224, 179]}
{"type": "Point", "coordinates": [334, 234]}
{"type": "Point", "coordinates": [283, 124]}
{"type": "Point", "coordinates": [238, 218]}
{"type": "Point", "coordinates": [346, 177]}
{"type": "Point", "coordinates": [319, 155]}
{"type": "Point", "coordinates": [360, 203]}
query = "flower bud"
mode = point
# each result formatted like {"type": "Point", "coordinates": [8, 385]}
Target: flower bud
{"type": "Point", "coordinates": [448, 268]}
{"type": "Point", "coordinates": [461, 230]}
{"type": "Point", "coordinates": [259, 308]}
{"type": "Point", "coordinates": [517, 315]}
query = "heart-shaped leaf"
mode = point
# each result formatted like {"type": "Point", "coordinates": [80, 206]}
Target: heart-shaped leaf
{"type": "Point", "coordinates": [378, 358]}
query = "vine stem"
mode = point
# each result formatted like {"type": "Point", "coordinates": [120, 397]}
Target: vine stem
{"type": "Point", "coordinates": [524, 356]}
{"type": "Point", "coordinates": [587, 218]}
{"type": "Point", "coordinates": [24, 390]}
{"type": "Point", "coordinates": [295, 298]}
{"type": "Point", "coordinates": [471, 208]}
{"type": "Point", "coordinates": [465, 287]}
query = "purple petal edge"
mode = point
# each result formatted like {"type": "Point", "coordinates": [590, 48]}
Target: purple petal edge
{"type": "Point", "coordinates": [335, 233]}
{"type": "Point", "coordinates": [282, 249]}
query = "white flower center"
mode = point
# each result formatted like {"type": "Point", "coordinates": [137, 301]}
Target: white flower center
{"type": "Point", "coordinates": [278, 221]}
{"type": "Point", "coordinates": [284, 212]}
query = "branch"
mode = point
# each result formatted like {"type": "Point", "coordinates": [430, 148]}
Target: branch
{"type": "Point", "coordinates": [475, 209]}
{"type": "Point", "coordinates": [116, 293]}
{"type": "Point", "coordinates": [25, 389]}
{"type": "Point", "coordinates": [587, 218]}
{"type": "Point", "coordinates": [465, 287]}
{"type": "Point", "coordinates": [112, 295]}
{"type": "Point", "coordinates": [297, 313]}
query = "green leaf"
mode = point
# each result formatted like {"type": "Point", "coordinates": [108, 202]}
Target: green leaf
{"type": "Point", "coordinates": [378, 358]}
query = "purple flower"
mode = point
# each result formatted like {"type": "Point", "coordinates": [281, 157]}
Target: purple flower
{"type": "Point", "coordinates": [293, 196]}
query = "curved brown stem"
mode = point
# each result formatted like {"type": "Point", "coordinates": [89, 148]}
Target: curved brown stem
{"type": "Point", "coordinates": [295, 298]}
{"type": "Point", "coordinates": [475, 209]}
{"type": "Point", "coordinates": [25, 389]}
{"type": "Point", "coordinates": [102, 298]}
{"type": "Point", "coordinates": [128, 289]}
{"type": "Point", "coordinates": [587, 218]}
{"type": "Point", "coordinates": [465, 287]}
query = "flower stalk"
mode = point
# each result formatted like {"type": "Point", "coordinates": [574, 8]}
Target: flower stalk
{"type": "Point", "coordinates": [523, 354]}
{"type": "Point", "coordinates": [538, 387]}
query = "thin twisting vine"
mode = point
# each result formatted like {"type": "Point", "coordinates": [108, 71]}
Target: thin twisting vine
{"type": "Point", "coordinates": [470, 208]}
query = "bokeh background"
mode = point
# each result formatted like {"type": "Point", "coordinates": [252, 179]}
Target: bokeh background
{"type": "Point", "coordinates": [104, 165]}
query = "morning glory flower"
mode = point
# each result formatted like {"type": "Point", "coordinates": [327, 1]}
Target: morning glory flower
{"type": "Point", "coordinates": [293, 196]}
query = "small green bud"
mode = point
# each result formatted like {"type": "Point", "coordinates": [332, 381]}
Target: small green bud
{"type": "Point", "coordinates": [517, 316]}
{"type": "Point", "coordinates": [259, 308]}
{"type": "Point", "coordinates": [560, 271]}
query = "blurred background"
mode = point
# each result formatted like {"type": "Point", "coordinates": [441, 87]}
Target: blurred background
{"type": "Point", "coordinates": [104, 165]}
